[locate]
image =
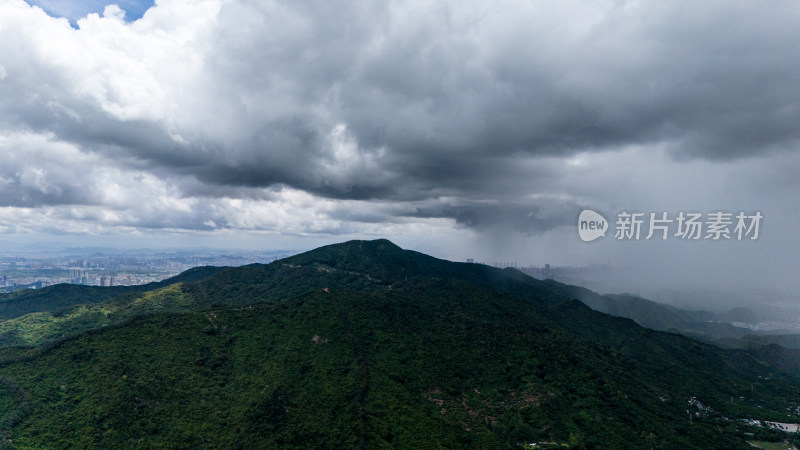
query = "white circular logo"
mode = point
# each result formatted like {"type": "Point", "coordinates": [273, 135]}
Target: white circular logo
{"type": "Point", "coordinates": [591, 225]}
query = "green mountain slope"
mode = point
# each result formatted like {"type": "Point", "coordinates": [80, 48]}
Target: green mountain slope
{"type": "Point", "coordinates": [53, 298]}
{"type": "Point", "coordinates": [364, 345]}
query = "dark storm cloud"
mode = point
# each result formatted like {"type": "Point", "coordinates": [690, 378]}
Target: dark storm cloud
{"type": "Point", "coordinates": [453, 105]}
{"type": "Point", "coordinates": [528, 218]}
{"type": "Point", "coordinates": [449, 90]}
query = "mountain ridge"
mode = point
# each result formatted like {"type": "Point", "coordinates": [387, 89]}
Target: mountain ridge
{"type": "Point", "coordinates": [363, 345]}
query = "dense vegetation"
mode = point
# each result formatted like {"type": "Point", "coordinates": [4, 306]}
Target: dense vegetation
{"type": "Point", "coordinates": [366, 345]}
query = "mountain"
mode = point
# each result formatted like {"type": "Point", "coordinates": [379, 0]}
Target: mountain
{"type": "Point", "coordinates": [60, 296]}
{"type": "Point", "coordinates": [366, 345]}
{"type": "Point", "coordinates": [714, 328]}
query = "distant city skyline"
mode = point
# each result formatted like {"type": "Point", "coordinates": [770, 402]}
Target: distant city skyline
{"type": "Point", "coordinates": [113, 268]}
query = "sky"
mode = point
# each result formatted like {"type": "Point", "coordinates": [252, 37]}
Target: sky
{"type": "Point", "coordinates": [462, 129]}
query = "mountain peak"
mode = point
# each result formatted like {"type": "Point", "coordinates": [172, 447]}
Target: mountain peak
{"type": "Point", "coordinates": [379, 258]}
{"type": "Point", "coordinates": [382, 244]}
{"type": "Point", "coordinates": [386, 263]}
